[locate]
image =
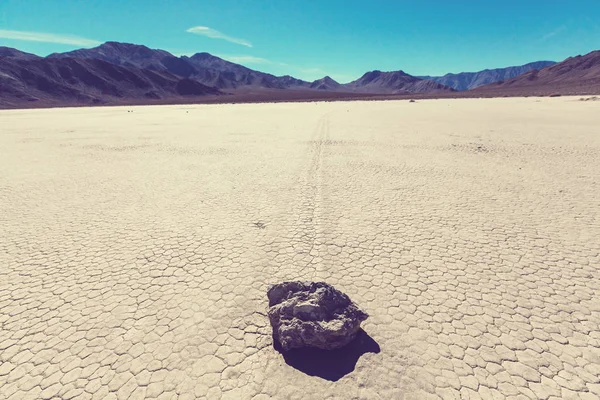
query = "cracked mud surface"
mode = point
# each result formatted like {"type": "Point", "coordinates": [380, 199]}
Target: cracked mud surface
{"type": "Point", "coordinates": [136, 248]}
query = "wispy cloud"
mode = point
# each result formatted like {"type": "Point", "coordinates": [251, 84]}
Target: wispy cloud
{"type": "Point", "coordinates": [47, 38]}
{"type": "Point", "coordinates": [310, 70]}
{"type": "Point", "coordinates": [214, 34]}
{"type": "Point", "coordinates": [245, 59]}
{"type": "Point", "coordinates": [554, 32]}
{"type": "Point", "coordinates": [272, 66]}
{"type": "Point", "coordinates": [178, 53]}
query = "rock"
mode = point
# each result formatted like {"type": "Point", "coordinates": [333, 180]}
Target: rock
{"type": "Point", "coordinates": [312, 314]}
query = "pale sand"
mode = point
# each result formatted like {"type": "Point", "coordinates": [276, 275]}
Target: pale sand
{"type": "Point", "coordinates": [136, 248]}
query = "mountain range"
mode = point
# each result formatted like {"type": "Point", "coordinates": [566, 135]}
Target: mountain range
{"type": "Point", "coordinates": [578, 75]}
{"type": "Point", "coordinates": [122, 73]}
{"type": "Point", "coordinates": [472, 80]}
{"type": "Point", "coordinates": [203, 67]}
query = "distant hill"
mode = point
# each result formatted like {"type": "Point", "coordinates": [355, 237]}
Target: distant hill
{"type": "Point", "coordinates": [471, 80]}
{"type": "Point", "coordinates": [325, 83]}
{"type": "Point", "coordinates": [573, 76]}
{"type": "Point", "coordinates": [88, 81]}
{"type": "Point", "coordinates": [396, 82]}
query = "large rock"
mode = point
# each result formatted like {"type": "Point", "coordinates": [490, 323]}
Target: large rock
{"type": "Point", "coordinates": [312, 314]}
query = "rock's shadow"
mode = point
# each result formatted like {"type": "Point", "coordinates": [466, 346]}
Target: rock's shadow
{"type": "Point", "coordinates": [330, 364]}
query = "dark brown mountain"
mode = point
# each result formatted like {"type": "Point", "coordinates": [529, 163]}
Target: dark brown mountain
{"type": "Point", "coordinates": [14, 53]}
{"type": "Point", "coordinates": [202, 67]}
{"type": "Point", "coordinates": [325, 83]}
{"type": "Point", "coordinates": [573, 76]}
{"type": "Point", "coordinates": [396, 82]}
{"type": "Point", "coordinates": [62, 81]}
{"type": "Point", "coordinates": [471, 80]}
{"type": "Point", "coordinates": [222, 74]}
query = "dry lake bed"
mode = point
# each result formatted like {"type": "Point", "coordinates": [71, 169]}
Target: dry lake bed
{"type": "Point", "coordinates": [137, 245]}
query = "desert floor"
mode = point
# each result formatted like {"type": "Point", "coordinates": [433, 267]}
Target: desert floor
{"type": "Point", "coordinates": [136, 248]}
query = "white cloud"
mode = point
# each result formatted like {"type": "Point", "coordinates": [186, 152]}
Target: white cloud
{"type": "Point", "coordinates": [554, 33]}
{"type": "Point", "coordinates": [47, 38]}
{"type": "Point", "coordinates": [214, 34]}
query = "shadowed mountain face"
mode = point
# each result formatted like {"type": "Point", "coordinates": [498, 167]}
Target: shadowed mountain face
{"type": "Point", "coordinates": [87, 81]}
{"type": "Point", "coordinates": [396, 82]}
{"type": "Point", "coordinates": [575, 75]}
{"type": "Point", "coordinates": [471, 80]}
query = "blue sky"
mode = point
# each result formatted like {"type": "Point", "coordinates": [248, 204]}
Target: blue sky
{"type": "Point", "coordinates": [312, 38]}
